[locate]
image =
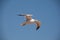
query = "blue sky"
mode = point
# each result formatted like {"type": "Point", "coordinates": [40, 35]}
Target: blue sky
{"type": "Point", "coordinates": [47, 11]}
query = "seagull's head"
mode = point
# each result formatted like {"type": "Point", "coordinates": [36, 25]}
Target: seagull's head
{"type": "Point", "coordinates": [28, 15]}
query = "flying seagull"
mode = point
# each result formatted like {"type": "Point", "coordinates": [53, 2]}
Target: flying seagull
{"type": "Point", "coordinates": [30, 20]}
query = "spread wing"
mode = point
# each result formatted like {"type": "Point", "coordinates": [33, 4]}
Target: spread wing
{"type": "Point", "coordinates": [27, 16]}
{"type": "Point", "coordinates": [38, 24]}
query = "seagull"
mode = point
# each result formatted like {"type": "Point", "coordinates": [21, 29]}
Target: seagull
{"type": "Point", "coordinates": [30, 20]}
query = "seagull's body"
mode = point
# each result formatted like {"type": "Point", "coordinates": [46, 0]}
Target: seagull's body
{"type": "Point", "coordinates": [30, 20]}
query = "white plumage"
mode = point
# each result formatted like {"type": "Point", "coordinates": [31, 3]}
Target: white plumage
{"type": "Point", "coordinates": [30, 20]}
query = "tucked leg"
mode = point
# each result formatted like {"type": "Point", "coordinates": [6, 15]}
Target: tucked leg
{"type": "Point", "coordinates": [23, 24]}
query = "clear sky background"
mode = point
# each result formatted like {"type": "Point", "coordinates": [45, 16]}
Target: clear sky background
{"type": "Point", "coordinates": [47, 11]}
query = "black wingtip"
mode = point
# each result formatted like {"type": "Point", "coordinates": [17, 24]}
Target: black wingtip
{"type": "Point", "coordinates": [37, 27]}
{"type": "Point", "coordinates": [21, 15]}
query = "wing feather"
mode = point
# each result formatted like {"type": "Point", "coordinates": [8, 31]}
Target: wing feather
{"type": "Point", "coordinates": [21, 15]}
{"type": "Point", "coordinates": [27, 16]}
{"type": "Point", "coordinates": [37, 24]}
